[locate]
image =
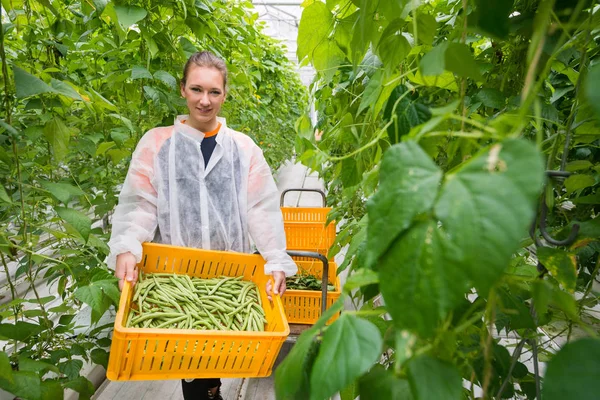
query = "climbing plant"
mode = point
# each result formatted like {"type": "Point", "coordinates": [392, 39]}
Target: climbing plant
{"type": "Point", "coordinates": [458, 141]}
{"type": "Point", "coordinates": [81, 83]}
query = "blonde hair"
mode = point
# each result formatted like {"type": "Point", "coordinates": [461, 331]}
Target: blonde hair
{"type": "Point", "coordinates": [205, 59]}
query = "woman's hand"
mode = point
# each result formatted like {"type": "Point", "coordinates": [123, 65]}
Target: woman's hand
{"type": "Point", "coordinates": [125, 269]}
{"type": "Point", "coordinates": [279, 286]}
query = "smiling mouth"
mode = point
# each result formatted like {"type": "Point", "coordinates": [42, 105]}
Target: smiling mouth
{"type": "Point", "coordinates": [203, 110]}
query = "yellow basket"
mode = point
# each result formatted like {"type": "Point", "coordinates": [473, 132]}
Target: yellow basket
{"type": "Point", "coordinates": [304, 306]}
{"type": "Point", "coordinates": [305, 226]}
{"type": "Point", "coordinates": [158, 354]}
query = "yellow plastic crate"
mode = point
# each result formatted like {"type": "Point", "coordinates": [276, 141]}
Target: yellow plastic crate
{"type": "Point", "coordinates": [305, 229]}
{"type": "Point", "coordinates": [304, 306]}
{"type": "Point", "coordinates": [158, 354]}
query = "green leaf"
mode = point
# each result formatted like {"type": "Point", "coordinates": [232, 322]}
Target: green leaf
{"type": "Point", "coordinates": [100, 6]}
{"type": "Point", "coordinates": [408, 186]}
{"type": "Point", "coordinates": [313, 29]}
{"type": "Point", "coordinates": [432, 379]}
{"type": "Point", "coordinates": [327, 57]}
{"type": "Point", "coordinates": [4, 197]}
{"type": "Point", "coordinates": [458, 59]}
{"type": "Point", "coordinates": [421, 278]}
{"type": "Point", "coordinates": [573, 372]}
{"type": "Point", "coordinates": [579, 165]}
{"type": "Point", "coordinates": [561, 265]}
{"type": "Point", "coordinates": [78, 220]}
{"type": "Point", "coordinates": [27, 364]}
{"type": "Point", "coordinates": [9, 128]}
{"type": "Point", "coordinates": [65, 89]}
{"type": "Point", "coordinates": [591, 89]}
{"type": "Point", "coordinates": [29, 85]}
{"type": "Point", "coordinates": [94, 296]}
{"type": "Point", "coordinates": [491, 98]}
{"type": "Point", "coordinates": [578, 182]}
{"type": "Point", "coordinates": [408, 114]}
{"type": "Point", "coordinates": [492, 16]}
{"type": "Point", "coordinates": [104, 147]}
{"type": "Point", "coordinates": [71, 368]}
{"type": "Point", "coordinates": [51, 390]}
{"type": "Point", "coordinates": [138, 72]}
{"type": "Point", "coordinates": [61, 190]}
{"type": "Point", "coordinates": [360, 278]}
{"type": "Point", "coordinates": [371, 92]}
{"type": "Point", "coordinates": [364, 30]}
{"type": "Point", "coordinates": [58, 135]}
{"type": "Point", "coordinates": [81, 385]}
{"type": "Point", "coordinates": [380, 384]}
{"type": "Point", "coordinates": [129, 15]}
{"type": "Point", "coordinates": [350, 347]}
{"type": "Point", "coordinates": [20, 330]}
{"type": "Point", "coordinates": [166, 78]}
{"type": "Point", "coordinates": [487, 205]}
{"type": "Point", "coordinates": [27, 385]}
{"type": "Point", "coordinates": [6, 376]}
{"type": "Point", "coordinates": [100, 356]}
{"type": "Point", "coordinates": [434, 62]}
{"type": "Point", "coordinates": [393, 47]}
{"type": "Point", "coordinates": [426, 28]}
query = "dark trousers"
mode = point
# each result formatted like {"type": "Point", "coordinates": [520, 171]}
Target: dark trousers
{"type": "Point", "coordinates": [198, 388]}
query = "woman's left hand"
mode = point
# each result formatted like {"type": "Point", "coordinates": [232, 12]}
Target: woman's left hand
{"type": "Point", "coordinates": [279, 286]}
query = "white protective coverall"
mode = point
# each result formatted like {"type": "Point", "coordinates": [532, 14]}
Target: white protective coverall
{"type": "Point", "coordinates": [170, 197]}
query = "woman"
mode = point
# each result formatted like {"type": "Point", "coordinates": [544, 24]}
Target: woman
{"type": "Point", "coordinates": [200, 184]}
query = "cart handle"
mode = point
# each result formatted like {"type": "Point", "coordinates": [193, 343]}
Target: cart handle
{"type": "Point", "coordinates": [303, 190]}
{"type": "Point", "coordinates": [323, 259]}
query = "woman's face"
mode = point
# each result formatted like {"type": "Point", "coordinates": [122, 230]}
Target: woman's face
{"type": "Point", "coordinates": [205, 94]}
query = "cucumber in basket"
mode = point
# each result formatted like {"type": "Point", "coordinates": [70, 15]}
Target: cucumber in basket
{"type": "Point", "coordinates": [180, 302]}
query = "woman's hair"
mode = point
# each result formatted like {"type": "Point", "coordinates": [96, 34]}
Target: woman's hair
{"type": "Point", "coordinates": [205, 59]}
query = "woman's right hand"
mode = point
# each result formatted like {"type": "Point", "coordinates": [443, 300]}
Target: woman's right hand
{"type": "Point", "coordinates": [125, 269]}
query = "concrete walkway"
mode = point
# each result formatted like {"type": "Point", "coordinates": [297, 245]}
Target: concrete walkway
{"type": "Point", "coordinates": [290, 176]}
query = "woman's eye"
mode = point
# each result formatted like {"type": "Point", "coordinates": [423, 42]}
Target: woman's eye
{"type": "Point", "coordinates": [196, 89]}
{"type": "Point", "coordinates": [216, 92]}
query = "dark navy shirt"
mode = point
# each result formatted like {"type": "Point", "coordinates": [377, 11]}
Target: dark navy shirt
{"type": "Point", "coordinates": [207, 146]}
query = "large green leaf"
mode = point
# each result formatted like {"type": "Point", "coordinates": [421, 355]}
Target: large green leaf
{"type": "Point", "coordinates": [52, 390]}
{"type": "Point", "coordinates": [129, 15]}
{"type": "Point", "coordinates": [408, 186]}
{"type": "Point", "coordinates": [166, 78]}
{"type": "Point", "coordinates": [71, 368]}
{"type": "Point", "coordinates": [492, 16]}
{"type": "Point", "coordinates": [491, 98]}
{"type": "Point", "coordinates": [27, 364]}
{"type": "Point", "coordinates": [4, 197]}
{"type": "Point", "coordinates": [432, 379]}
{"type": "Point", "coordinates": [350, 347]}
{"type": "Point", "coordinates": [27, 385]}
{"type": "Point", "coordinates": [65, 89]}
{"type": "Point", "coordinates": [364, 30]}
{"type": "Point", "coordinates": [458, 59]}
{"type": "Point", "coordinates": [578, 182]}
{"type": "Point", "coordinates": [592, 88]}
{"type": "Point", "coordinates": [327, 56]}
{"type": "Point", "coordinates": [20, 330]}
{"type": "Point", "coordinates": [6, 377]}
{"type": "Point", "coordinates": [421, 278]}
{"type": "Point", "coordinates": [381, 384]}
{"type": "Point", "coordinates": [29, 85]}
{"type": "Point", "coordinates": [426, 28]}
{"type": "Point", "coordinates": [94, 296]}
{"type": "Point", "coordinates": [573, 372]}
{"type": "Point", "coordinates": [434, 62]}
{"type": "Point", "coordinates": [393, 47]}
{"type": "Point", "coordinates": [138, 72]}
{"type": "Point", "coordinates": [61, 190]}
{"type": "Point", "coordinates": [81, 385]}
{"type": "Point", "coordinates": [371, 92]}
{"type": "Point", "coordinates": [408, 114]}
{"type": "Point", "coordinates": [487, 205]}
{"type": "Point", "coordinates": [58, 135]}
{"type": "Point", "coordinates": [313, 30]}
{"type": "Point", "coordinates": [561, 264]}
{"type": "Point", "coordinates": [78, 220]}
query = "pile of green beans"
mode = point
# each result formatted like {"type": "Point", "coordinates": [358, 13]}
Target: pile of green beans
{"type": "Point", "coordinates": [175, 301]}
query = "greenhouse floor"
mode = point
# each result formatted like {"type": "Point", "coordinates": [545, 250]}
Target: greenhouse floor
{"type": "Point", "coordinates": [289, 176]}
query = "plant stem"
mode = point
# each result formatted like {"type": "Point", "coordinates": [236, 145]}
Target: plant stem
{"type": "Point", "coordinates": [487, 353]}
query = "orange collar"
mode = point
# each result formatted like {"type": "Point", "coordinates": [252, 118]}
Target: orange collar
{"type": "Point", "coordinates": [211, 133]}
